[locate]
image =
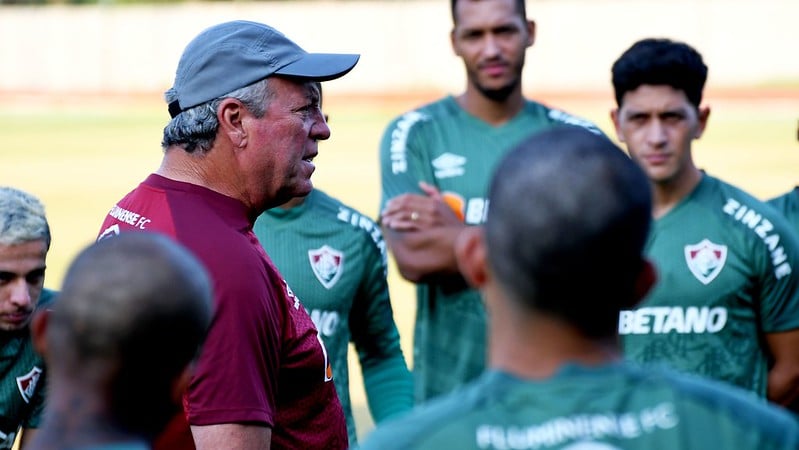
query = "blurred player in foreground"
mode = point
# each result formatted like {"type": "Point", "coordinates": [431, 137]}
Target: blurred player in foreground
{"type": "Point", "coordinates": [130, 318]}
{"type": "Point", "coordinates": [560, 254]}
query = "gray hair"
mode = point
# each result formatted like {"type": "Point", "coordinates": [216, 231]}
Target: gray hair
{"type": "Point", "coordinates": [22, 218]}
{"type": "Point", "coordinates": [196, 127]}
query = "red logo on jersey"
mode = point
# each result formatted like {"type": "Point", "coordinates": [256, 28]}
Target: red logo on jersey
{"type": "Point", "coordinates": [705, 260]}
{"type": "Point", "coordinates": [327, 264]}
{"type": "Point", "coordinates": [27, 383]}
{"type": "Point", "coordinates": [328, 366]}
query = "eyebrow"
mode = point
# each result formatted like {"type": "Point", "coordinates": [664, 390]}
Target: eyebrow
{"type": "Point", "coordinates": [313, 91]}
{"type": "Point", "coordinates": [10, 274]}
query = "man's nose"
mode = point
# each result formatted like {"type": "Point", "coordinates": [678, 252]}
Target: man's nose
{"type": "Point", "coordinates": [20, 293]}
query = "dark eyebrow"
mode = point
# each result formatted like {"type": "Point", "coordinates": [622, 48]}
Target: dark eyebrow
{"type": "Point", "coordinates": [635, 113]}
{"type": "Point", "coordinates": [6, 275]}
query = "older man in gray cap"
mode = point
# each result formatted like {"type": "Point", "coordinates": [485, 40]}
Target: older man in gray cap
{"type": "Point", "coordinates": [243, 135]}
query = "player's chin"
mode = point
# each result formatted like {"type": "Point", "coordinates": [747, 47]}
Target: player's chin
{"type": "Point", "coordinates": [302, 187]}
{"type": "Point", "coordinates": [660, 175]}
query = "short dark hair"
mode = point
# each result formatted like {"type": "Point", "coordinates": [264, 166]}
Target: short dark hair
{"type": "Point", "coordinates": [660, 62]}
{"type": "Point", "coordinates": [133, 309]}
{"type": "Point", "coordinates": [521, 8]}
{"type": "Point", "coordinates": [569, 216]}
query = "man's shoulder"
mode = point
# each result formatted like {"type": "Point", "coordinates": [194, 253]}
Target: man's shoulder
{"type": "Point", "coordinates": [432, 112]}
{"type": "Point", "coordinates": [333, 208]}
{"type": "Point", "coordinates": [556, 116]}
{"type": "Point", "coordinates": [786, 201]}
{"type": "Point", "coordinates": [738, 205]}
{"type": "Point", "coordinates": [739, 405]}
{"type": "Point", "coordinates": [359, 226]}
{"type": "Point", "coordinates": [419, 428]}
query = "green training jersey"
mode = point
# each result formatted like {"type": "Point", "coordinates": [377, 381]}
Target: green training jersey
{"type": "Point", "coordinates": [725, 264]}
{"type": "Point", "coordinates": [334, 259]}
{"type": "Point", "coordinates": [22, 380]}
{"type": "Point", "coordinates": [447, 147]}
{"type": "Point", "coordinates": [609, 407]}
{"type": "Point", "coordinates": [788, 205]}
{"type": "Point", "coordinates": [131, 445]}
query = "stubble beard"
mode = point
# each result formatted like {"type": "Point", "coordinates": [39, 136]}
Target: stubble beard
{"type": "Point", "coordinates": [498, 95]}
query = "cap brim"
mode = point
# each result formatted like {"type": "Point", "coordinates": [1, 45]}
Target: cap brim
{"type": "Point", "coordinates": [320, 66]}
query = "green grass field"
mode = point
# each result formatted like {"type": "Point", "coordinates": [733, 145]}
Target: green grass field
{"type": "Point", "coordinates": [81, 156]}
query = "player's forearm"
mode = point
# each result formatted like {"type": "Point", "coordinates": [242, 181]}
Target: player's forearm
{"type": "Point", "coordinates": [783, 384]}
{"type": "Point", "coordinates": [783, 378]}
{"type": "Point", "coordinates": [232, 435]}
{"type": "Point", "coordinates": [425, 253]}
{"type": "Point", "coordinates": [389, 387]}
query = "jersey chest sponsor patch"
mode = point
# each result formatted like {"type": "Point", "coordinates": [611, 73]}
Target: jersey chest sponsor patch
{"type": "Point", "coordinates": [27, 383]}
{"type": "Point", "coordinates": [327, 264]}
{"type": "Point", "coordinates": [705, 260]}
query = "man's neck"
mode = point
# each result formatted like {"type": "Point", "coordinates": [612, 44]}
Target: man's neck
{"type": "Point", "coordinates": [210, 170]}
{"type": "Point", "coordinates": [78, 420]}
{"type": "Point", "coordinates": [548, 344]}
{"type": "Point", "coordinates": [665, 196]}
{"type": "Point", "coordinates": [490, 111]}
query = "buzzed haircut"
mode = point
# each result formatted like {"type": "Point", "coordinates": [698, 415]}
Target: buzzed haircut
{"type": "Point", "coordinates": [137, 305]}
{"type": "Point", "coordinates": [22, 218]}
{"type": "Point", "coordinates": [566, 228]}
{"type": "Point", "coordinates": [659, 62]}
{"type": "Point", "coordinates": [521, 8]}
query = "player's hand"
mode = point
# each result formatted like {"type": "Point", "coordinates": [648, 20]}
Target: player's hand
{"type": "Point", "coordinates": [414, 212]}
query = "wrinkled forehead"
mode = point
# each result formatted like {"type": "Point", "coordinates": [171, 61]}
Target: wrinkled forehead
{"type": "Point", "coordinates": [296, 87]}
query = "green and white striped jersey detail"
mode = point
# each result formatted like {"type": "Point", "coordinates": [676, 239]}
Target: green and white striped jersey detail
{"type": "Point", "coordinates": [334, 259]}
{"type": "Point", "coordinates": [610, 407]}
{"type": "Point", "coordinates": [725, 264]}
{"type": "Point", "coordinates": [447, 147]}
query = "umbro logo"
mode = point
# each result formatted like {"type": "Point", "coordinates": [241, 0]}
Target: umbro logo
{"type": "Point", "coordinates": [449, 165]}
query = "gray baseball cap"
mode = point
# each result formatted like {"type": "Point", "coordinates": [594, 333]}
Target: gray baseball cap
{"type": "Point", "coordinates": [232, 55]}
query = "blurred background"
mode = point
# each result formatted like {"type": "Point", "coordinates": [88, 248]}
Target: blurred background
{"type": "Point", "coordinates": [81, 85]}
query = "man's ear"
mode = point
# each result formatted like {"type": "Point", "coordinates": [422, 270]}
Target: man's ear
{"type": "Point", "coordinates": [614, 117]}
{"type": "Point", "coordinates": [470, 254]}
{"type": "Point", "coordinates": [453, 43]}
{"type": "Point", "coordinates": [530, 33]}
{"type": "Point", "coordinates": [231, 113]}
{"type": "Point", "coordinates": [39, 330]}
{"type": "Point", "coordinates": [644, 282]}
{"type": "Point", "coordinates": [703, 114]}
